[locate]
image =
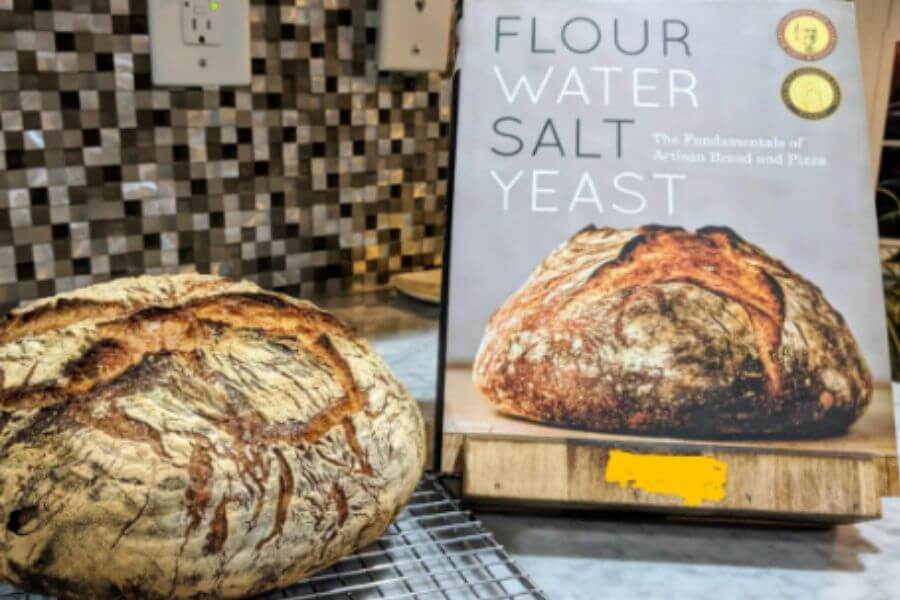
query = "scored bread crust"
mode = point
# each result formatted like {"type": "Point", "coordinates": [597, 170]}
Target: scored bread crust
{"type": "Point", "coordinates": [192, 437]}
{"type": "Point", "coordinates": [656, 330]}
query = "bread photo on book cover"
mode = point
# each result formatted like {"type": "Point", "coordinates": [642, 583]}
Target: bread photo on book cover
{"type": "Point", "coordinates": [660, 331]}
{"type": "Point", "coordinates": [192, 437]}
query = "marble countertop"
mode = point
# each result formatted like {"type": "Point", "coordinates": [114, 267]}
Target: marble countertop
{"type": "Point", "coordinates": [645, 558]}
{"type": "Point", "coordinates": [610, 555]}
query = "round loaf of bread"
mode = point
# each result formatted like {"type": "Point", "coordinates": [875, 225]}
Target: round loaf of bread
{"type": "Point", "coordinates": [656, 330]}
{"type": "Point", "coordinates": [192, 437]}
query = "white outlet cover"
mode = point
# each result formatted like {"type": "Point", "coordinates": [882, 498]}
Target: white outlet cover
{"type": "Point", "coordinates": [202, 22]}
{"type": "Point", "coordinates": [178, 56]}
{"type": "Point", "coordinates": [414, 35]}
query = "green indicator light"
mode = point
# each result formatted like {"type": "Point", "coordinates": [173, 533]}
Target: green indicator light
{"type": "Point", "coordinates": [214, 5]}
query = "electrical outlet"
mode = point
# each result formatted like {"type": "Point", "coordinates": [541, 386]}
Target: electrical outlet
{"type": "Point", "coordinates": [414, 35]}
{"type": "Point", "coordinates": [188, 45]}
{"type": "Point", "coordinates": [201, 22]}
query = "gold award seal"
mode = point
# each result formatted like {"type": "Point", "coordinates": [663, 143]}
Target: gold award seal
{"type": "Point", "coordinates": [807, 34]}
{"type": "Point", "coordinates": [811, 93]}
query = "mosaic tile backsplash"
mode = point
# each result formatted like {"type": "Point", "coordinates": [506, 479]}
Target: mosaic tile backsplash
{"type": "Point", "coordinates": [324, 176]}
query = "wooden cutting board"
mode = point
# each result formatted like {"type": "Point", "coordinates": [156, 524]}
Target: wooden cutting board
{"type": "Point", "coordinates": [421, 285]}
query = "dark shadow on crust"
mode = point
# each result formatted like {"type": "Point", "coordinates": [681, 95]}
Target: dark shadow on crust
{"type": "Point", "coordinates": [829, 428]}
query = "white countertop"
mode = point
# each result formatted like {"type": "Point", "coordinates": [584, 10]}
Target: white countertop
{"type": "Point", "coordinates": [612, 556]}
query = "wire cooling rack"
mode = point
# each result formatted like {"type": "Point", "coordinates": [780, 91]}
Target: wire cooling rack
{"type": "Point", "coordinates": [435, 550]}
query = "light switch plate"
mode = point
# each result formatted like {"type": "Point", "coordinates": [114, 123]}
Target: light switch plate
{"type": "Point", "coordinates": [200, 42]}
{"type": "Point", "coordinates": [414, 35]}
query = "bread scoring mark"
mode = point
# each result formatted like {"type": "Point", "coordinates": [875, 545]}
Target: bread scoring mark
{"type": "Point", "coordinates": [44, 420]}
{"type": "Point", "coordinates": [140, 513]}
{"type": "Point", "coordinates": [41, 395]}
{"type": "Point", "coordinates": [117, 424]}
{"type": "Point", "coordinates": [728, 232]}
{"type": "Point", "coordinates": [339, 499]}
{"type": "Point", "coordinates": [631, 295]}
{"type": "Point", "coordinates": [589, 228]}
{"type": "Point", "coordinates": [218, 528]}
{"type": "Point", "coordinates": [103, 361]}
{"type": "Point", "coordinates": [65, 312]}
{"type": "Point", "coordinates": [356, 447]}
{"type": "Point", "coordinates": [713, 261]}
{"type": "Point", "coordinates": [656, 228]}
{"type": "Point", "coordinates": [198, 493]}
{"type": "Point", "coordinates": [256, 468]}
{"type": "Point", "coordinates": [267, 311]}
{"type": "Point", "coordinates": [52, 316]}
{"type": "Point", "coordinates": [285, 493]}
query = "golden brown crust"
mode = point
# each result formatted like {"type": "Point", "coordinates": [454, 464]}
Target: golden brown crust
{"type": "Point", "coordinates": [188, 437]}
{"type": "Point", "coordinates": [659, 330]}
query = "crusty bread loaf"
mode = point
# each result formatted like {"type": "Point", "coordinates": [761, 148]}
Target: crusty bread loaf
{"type": "Point", "coordinates": [192, 437]}
{"type": "Point", "coordinates": [656, 330]}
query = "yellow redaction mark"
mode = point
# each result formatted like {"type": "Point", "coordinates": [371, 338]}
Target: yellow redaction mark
{"type": "Point", "coordinates": [694, 479]}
